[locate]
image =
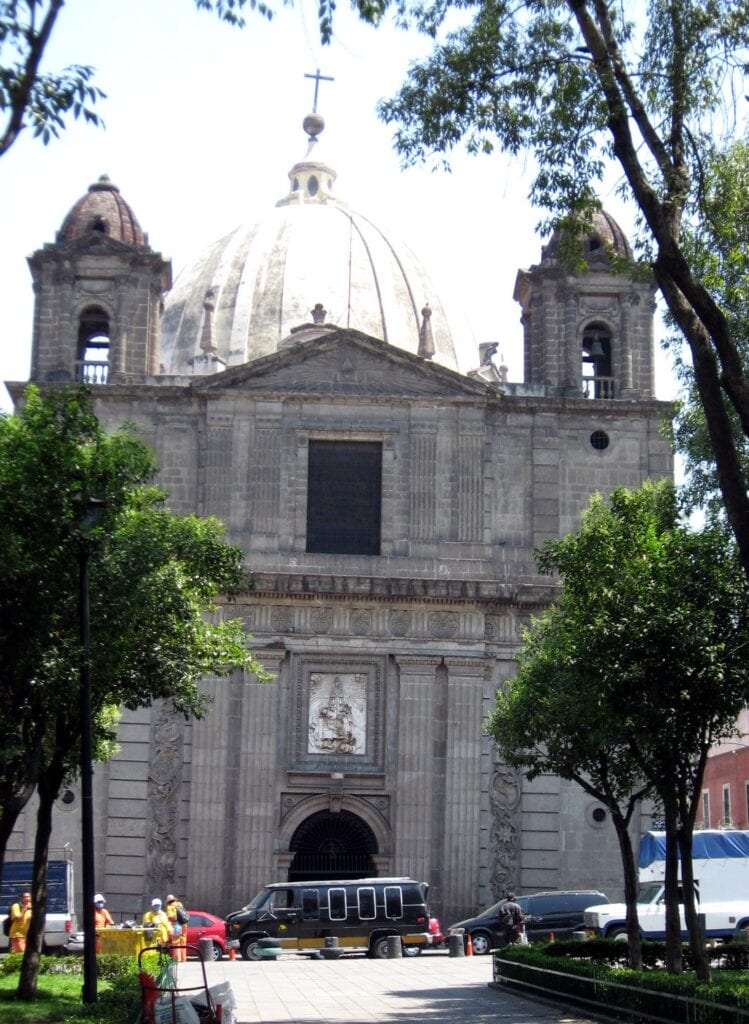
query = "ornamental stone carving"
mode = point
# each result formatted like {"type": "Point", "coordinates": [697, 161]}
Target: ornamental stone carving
{"type": "Point", "coordinates": [399, 622]}
{"type": "Point", "coordinates": [443, 624]}
{"type": "Point", "coordinates": [361, 622]}
{"type": "Point", "coordinates": [164, 782]}
{"type": "Point", "coordinates": [280, 618]}
{"type": "Point", "coordinates": [491, 627]}
{"type": "Point", "coordinates": [321, 620]}
{"type": "Point", "coordinates": [504, 796]}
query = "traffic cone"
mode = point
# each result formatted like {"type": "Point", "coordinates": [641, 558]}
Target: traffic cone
{"type": "Point", "coordinates": [469, 946]}
{"type": "Point", "coordinates": [551, 936]}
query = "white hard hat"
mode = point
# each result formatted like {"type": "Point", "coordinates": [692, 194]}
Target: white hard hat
{"type": "Point", "coordinates": [98, 898]}
{"type": "Point", "coordinates": [156, 902]}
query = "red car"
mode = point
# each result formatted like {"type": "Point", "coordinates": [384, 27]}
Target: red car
{"type": "Point", "coordinates": [203, 925]}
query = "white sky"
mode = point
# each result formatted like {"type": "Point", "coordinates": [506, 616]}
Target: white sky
{"type": "Point", "coordinates": [203, 122]}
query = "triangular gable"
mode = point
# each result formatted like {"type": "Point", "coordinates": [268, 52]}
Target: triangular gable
{"type": "Point", "coordinates": [346, 362]}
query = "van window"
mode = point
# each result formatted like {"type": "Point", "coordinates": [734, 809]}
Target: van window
{"type": "Point", "coordinates": [393, 901]}
{"type": "Point", "coordinates": [281, 899]}
{"type": "Point", "coordinates": [337, 904]}
{"type": "Point", "coordinates": [366, 901]}
{"type": "Point", "coordinates": [310, 904]}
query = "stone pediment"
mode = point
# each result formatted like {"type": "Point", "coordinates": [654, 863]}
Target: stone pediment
{"type": "Point", "coordinates": [346, 362]}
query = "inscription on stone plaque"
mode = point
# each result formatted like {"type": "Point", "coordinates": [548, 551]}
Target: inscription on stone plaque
{"type": "Point", "coordinates": [337, 713]}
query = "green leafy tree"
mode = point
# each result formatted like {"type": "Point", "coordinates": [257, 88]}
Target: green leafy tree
{"type": "Point", "coordinates": [31, 97]}
{"type": "Point", "coordinates": [635, 672]}
{"type": "Point", "coordinates": [584, 90]}
{"type": "Point", "coordinates": [154, 579]}
{"type": "Point", "coordinates": [716, 239]}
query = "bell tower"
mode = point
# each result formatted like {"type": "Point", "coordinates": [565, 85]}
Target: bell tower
{"type": "Point", "coordinates": [588, 332]}
{"type": "Point", "coordinates": [98, 296]}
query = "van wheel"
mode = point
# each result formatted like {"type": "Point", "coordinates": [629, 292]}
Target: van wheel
{"type": "Point", "coordinates": [379, 948]}
{"type": "Point", "coordinates": [412, 950]}
{"type": "Point", "coordinates": [249, 950]}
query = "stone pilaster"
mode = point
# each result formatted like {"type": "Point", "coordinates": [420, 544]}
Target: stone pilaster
{"type": "Point", "coordinates": [415, 774]}
{"type": "Point", "coordinates": [462, 810]}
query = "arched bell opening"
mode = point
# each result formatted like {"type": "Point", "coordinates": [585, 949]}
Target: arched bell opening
{"type": "Point", "coordinates": [597, 369]}
{"type": "Point", "coordinates": [92, 359]}
{"type": "Point", "coordinates": [332, 846]}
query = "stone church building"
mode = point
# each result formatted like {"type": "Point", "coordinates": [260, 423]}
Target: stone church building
{"type": "Point", "coordinates": [300, 382]}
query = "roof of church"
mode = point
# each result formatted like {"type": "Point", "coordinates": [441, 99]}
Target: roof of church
{"type": "Point", "coordinates": [102, 209]}
{"type": "Point", "coordinates": [243, 296]}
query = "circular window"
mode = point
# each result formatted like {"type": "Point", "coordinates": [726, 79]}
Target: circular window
{"type": "Point", "coordinates": [599, 440]}
{"type": "Point", "coordinates": [596, 815]}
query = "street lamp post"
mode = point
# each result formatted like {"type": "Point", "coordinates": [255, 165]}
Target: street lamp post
{"type": "Point", "coordinates": [88, 521]}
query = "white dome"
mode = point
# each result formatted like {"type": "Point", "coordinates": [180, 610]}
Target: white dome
{"type": "Point", "coordinates": [246, 293]}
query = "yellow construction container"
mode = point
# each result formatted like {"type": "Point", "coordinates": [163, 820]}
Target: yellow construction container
{"type": "Point", "coordinates": [128, 941]}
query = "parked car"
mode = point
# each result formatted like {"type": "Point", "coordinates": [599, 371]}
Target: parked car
{"type": "Point", "coordinates": [436, 941]}
{"type": "Point", "coordinates": [203, 925]}
{"type": "Point", "coordinates": [560, 913]}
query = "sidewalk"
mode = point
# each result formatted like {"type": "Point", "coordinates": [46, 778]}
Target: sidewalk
{"type": "Point", "coordinates": [430, 989]}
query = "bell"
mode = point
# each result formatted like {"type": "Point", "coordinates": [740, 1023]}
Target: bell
{"type": "Point", "coordinates": [596, 349]}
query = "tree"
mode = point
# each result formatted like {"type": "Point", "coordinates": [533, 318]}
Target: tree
{"type": "Point", "coordinates": [154, 577]}
{"type": "Point", "coordinates": [635, 672]}
{"type": "Point", "coordinates": [582, 89]}
{"type": "Point", "coordinates": [716, 244]}
{"type": "Point", "coordinates": [41, 100]}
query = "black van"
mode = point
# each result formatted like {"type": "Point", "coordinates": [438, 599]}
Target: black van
{"type": "Point", "coordinates": [361, 913]}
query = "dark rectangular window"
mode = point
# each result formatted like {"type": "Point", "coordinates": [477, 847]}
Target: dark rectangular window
{"type": "Point", "coordinates": [337, 904]}
{"type": "Point", "coordinates": [393, 901]}
{"type": "Point", "coordinates": [367, 907]}
{"type": "Point", "coordinates": [310, 904]}
{"type": "Point", "coordinates": [344, 495]}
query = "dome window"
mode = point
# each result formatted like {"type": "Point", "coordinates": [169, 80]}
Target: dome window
{"type": "Point", "coordinates": [597, 379]}
{"type": "Point", "coordinates": [295, 185]}
{"type": "Point", "coordinates": [92, 363]}
{"type": "Point", "coordinates": [313, 186]}
{"type": "Point", "coordinates": [99, 224]}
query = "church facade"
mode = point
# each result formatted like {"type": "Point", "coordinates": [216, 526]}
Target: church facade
{"type": "Point", "coordinates": [388, 507]}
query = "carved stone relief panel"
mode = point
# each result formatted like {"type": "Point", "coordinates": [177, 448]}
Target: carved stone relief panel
{"type": "Point", "coordinates": [338, 713]}
{"type": "Point", "coordinates": [164, 783]}
{"type": "Point", "coordinates": [337, 709]}
{"type": "Point", "coordinates": [505, 791]}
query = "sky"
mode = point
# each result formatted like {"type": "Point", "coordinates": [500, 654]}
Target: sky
{"type": "Point", "coordinates": [202, 124]}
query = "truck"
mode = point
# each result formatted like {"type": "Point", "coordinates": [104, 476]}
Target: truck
{"type": "Point", "coordinates": [720, 860]}
{"type": "Point", "coordinates": [61, 921]}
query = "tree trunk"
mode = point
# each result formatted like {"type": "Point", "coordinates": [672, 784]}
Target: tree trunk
{"type": "Point", "coordinates": [696, 934]}
{"type": "Point", "coordinates": [630, 888]}
{"type": "Point", "coordinates": [49, 785]}
{"type": "Point", "coordinates": [674, 960]}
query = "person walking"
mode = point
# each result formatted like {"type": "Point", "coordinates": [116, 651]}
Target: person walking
{"type": "Point", "coordinates": [20, 919]}
{"type": "Point", "coordinates": [512, 919]}
{"type": "Point", "coordinates": [156, 918]}
{"type": "Point", "coordinates": [178, 918]}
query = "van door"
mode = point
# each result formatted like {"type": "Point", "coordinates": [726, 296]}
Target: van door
{"type": "Point", "coordinates": [279, 916]}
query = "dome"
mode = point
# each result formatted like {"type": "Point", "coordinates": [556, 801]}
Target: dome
{"type": "Point", "coordinates": [102, 209]}
{"type": "Point", "coordinates": [244, 296]}
{"type": "Point", "coordinates": [605, 234]}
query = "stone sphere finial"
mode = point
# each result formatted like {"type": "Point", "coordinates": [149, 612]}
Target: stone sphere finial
{"type": "Point", "coordinates": [313, 124]}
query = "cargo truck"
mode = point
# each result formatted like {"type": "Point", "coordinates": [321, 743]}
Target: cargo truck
{"type": "Point", "coordinates": [720, 860]}
{"type": "Point", "coordinates": [61, 922]}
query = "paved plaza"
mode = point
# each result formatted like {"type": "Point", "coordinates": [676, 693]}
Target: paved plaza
{"type": "Point", "coordinates": [431, 989]}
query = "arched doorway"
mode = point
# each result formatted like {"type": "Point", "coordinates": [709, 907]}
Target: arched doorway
{"type": "Point", "coordinates": [332, 846]}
